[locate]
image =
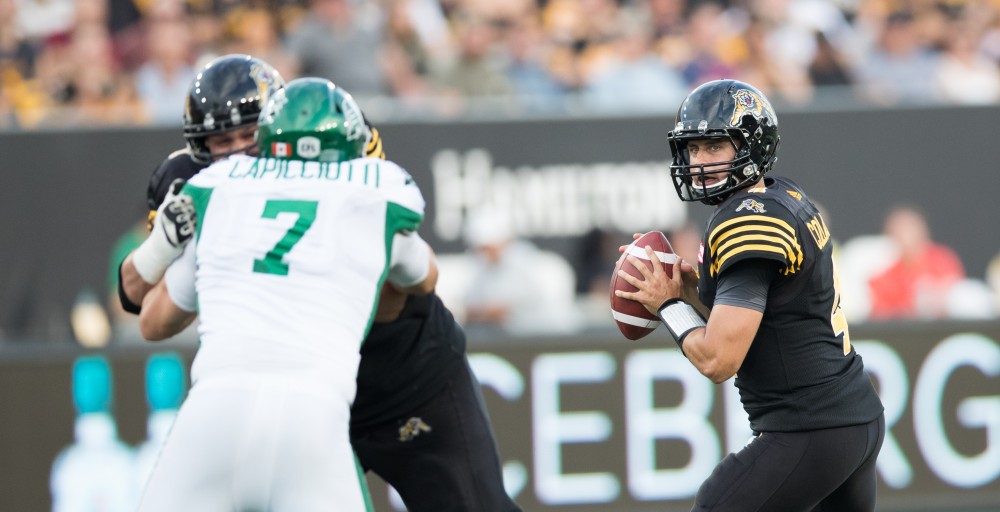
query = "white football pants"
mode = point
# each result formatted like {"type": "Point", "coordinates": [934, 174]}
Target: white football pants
{"type": "Point", "coordinates": [258, 443]}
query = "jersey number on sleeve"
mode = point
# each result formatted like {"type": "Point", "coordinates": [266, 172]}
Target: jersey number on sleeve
{"type": "Point", "coordinates": [272, 262]}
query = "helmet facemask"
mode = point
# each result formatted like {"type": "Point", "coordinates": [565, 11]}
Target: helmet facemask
{"type": "Point", "coordinates": [201, 153]}
{"type": "Point", "coordinates": [689, 179]}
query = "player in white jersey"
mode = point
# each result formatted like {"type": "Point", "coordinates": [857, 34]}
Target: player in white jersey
{"type": "Point", "coordinates": [284, 272]}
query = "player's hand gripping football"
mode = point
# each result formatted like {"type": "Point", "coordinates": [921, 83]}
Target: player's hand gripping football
{"type": "Point", "coordinates": [173, 227]}
{"type": "Point", "coordinates": [656, 287]}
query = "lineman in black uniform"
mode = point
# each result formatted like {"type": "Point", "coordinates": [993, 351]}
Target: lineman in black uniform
{"type": "Point", "coordinates": [418, 419]}
{"type": "Point", "coordinates": [767, 276]}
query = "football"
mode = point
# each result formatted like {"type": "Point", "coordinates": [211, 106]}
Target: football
{"type": "Point", "coordinates": [631, 317]}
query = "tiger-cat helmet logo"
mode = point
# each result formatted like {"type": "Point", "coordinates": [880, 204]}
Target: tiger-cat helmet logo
{"type": "Point", "coordinates": [748, 102]}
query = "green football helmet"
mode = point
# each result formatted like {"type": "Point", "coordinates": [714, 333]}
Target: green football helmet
{"type": "Point", "coordinates": [312, 119]}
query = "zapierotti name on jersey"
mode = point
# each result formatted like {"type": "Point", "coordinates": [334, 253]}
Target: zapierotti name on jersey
{"type": "Point", "coordinates": [367, 170]}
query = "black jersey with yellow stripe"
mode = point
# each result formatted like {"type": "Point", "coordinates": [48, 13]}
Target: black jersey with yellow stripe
{"type": "Point", "coordinates": [801, 372]}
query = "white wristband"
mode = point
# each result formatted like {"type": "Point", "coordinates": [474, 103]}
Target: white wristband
{"type": "Point", "coordinates": [152, 258]}
{"type": "Point", "coordinates": [680, 318]}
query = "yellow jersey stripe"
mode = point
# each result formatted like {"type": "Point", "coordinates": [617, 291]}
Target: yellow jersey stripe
{"type": "Point", "coordinates": [722, 228]}
{"type": "Point", "coordinates": [791, 257]}
{"type": "Point", "coordinates": [750, 247]}
{"type": "Point", "coordinates": [735, 232]}
{"type": "Point", "coordinates": [735, 235]}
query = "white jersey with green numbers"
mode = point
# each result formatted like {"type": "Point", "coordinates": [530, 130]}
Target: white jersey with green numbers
{"type": "Point", "coordinates": [288, 260]}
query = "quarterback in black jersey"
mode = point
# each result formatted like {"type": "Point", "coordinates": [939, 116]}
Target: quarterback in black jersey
{"type": "Point", "coordinates": [418, 418]}
{"type": "Point", "coordinates": [766, 281]}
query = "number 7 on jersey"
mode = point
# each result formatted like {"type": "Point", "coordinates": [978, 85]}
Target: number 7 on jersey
{"type": "Point", "coordinates": [272, 262]}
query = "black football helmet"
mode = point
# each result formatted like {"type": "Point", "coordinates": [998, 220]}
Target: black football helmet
{"type": "Point", "coordinates": [227, 94]}
{"type": "Point", "coordinates": [723, 109]}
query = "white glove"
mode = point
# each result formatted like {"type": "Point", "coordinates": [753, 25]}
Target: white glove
{"type": "Point", "coordinates": [173, 227]}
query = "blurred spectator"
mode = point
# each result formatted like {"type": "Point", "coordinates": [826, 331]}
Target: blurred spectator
{"type": "Point", "coordinates": [162, 81]}
{"type": "Point", "coordinates": [207, 35]}
{"type": "Point", "coordinates": [526, 68]}
{"type": "Point", "coordinates": [476, 70]}
{"type": "Point", "coordinates": [254, 31]}
{"type": "Point", "coordinates": [417, 36]}
{"type": "Point", "coordinates": [54, 71]}
{"type": "Point", "coordinates": [39, 19]}
{"type": "Point", "coordinates": [91, 12]}
{"type": "Point", "coordinates": [334, 40]}
{"type": "Point", "coordinates": [80, 74]}
{"type": "Point", "coordinates": [790, 28]}
{"type": "Point", "coordinates": [421, 30]}
{"type": "Point", "coordinates": [858, 260]}
{"type": "Point", "coordinates": [128, 32]}
{"type": "Point", "coordinates": [633, 79]}
{"type": "Point", "coordinates": [898, 68]}
{"type": "Point", "coordinates": [707, 31]}
{"type": "Point", "coordinates": [100, 93]}
{"type": "Point", "coordinates": [15, 53]}
{"type": "Point", "coordinates": [775, 74]}
{"type": "Point", "coordinates": [582, 33]}
{"type": "Point", "coordinates": [829, 66]}
{"type": "Point", "coordinates": [534, 55]}
{"type": "Point", "coordinates": [785, 37]}
{"type": "Point", "coordinates": [989, 43]}
{"type": "Point", "coordinates": [562, 26]}
{"type": "Point", "coordinates": [917, 284]}
{"type": "Point", "coordinates": [666, 17]}
{"type": "Point", "coordinates": [16, 63]}
{"type": "Point", "coordinates": [964, 75]}
{"type": "Point", "coordinates": [512, 284]}
{"type": "Point", "coordinates": [970, 299]}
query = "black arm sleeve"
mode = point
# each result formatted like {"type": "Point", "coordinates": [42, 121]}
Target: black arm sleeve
{"type": "Point", "coordinates": [746, 284]}
{"type": "Point", "coordinates": [127, 304]}
{"type": "Point", "coordinates": [179, 164]}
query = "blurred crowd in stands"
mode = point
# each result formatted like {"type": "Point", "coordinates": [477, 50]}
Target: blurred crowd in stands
{"type": "Point", "coordinates": [128, 62]}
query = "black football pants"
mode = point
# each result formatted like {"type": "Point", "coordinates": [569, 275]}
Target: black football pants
{"type": "Point", "coordinates": [442, 455]}
{"type": "Point", "coordinates": [829, 470]}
